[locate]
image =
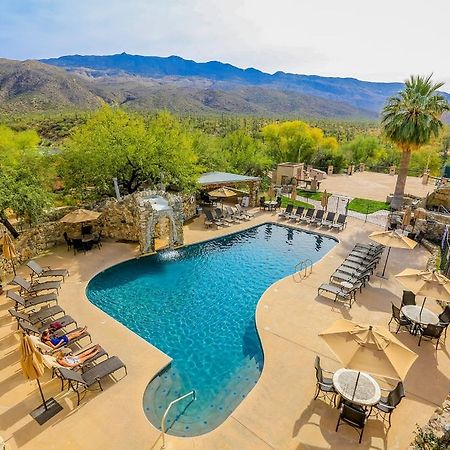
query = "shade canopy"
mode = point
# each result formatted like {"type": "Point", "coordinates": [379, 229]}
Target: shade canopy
{"type": "Point", "coordinates": [369, 348]}
{"type": "Point", "coordinates": [222, 192]}
{"type": "Point", "coordinates": [392, 239]}
{"type": "Point", "coordinates": [30, 359]}
{"type": "Point", "coordinates": [324, 199]}
{"type": "Point", "coordinates": [9, 250]}
{"type": "Point", "coordinates": [425, 283]}
{"type": "Point", "coordinates": [80, 216]}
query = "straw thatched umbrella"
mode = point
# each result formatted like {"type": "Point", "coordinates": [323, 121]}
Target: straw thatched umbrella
{"type": "Point", "coordinates": [369, 348]}
{"type": "Point", "coordinates": [426, 283]}
{"type": "Point", "coordinates": [9, 250]}
{"type": "Point", "coordinates": [222, 193]}
{"type": "Point", "coordinates": [392, 239]}
{"type": "Point", "coordinates": [33, 368]}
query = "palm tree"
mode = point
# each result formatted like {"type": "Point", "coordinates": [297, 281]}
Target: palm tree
{"type": "Point", "coordinates": [409, 120]}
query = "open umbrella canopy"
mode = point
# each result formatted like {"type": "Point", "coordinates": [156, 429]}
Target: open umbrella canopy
{"type": "Point", "coordinates": [222, 192]}
{"type": "Point", "coordinates": [30, 359]}
{"type": "Point", "coordinates": [80, 216]}
{"type": "Point", "coordinates": [392, 239]}
{"type": "Point", "coordinates": [426, 283]}
{"type": "Point", "coordinates": [9, 250]}
{"type": "Point", "coordinates": [369, 348]}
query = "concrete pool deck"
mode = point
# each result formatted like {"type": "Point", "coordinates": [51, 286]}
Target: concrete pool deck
{"type": "Point", "coordinates": [278, 413]}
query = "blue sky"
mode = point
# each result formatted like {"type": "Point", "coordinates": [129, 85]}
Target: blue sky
{"type": "Point", "coordinates": [379, 41]}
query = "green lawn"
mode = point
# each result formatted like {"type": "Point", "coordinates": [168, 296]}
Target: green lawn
{"type": "Point", "coordinates": [365, 206]}
{"type": "Point", "coordinates": [312, 195]}
{"type": "Point", "coordinates": [288, 201]}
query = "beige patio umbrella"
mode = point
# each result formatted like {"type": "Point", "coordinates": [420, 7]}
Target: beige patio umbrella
{"type": "Point", "coordinates": [271, 192]}
{"type": "Point", "coordinates": [9, 250]}
{"type": "Point", "coordinates": [324, 199]}
{"type": "Point", "coordinates": [426, 283]}
{"type": "Point", "coordinates": [222, 193]}
{"type": "Point", "coordinates": [33, 368]}
{"type": "Point", "coordinates": [392, 239]}
{"type": "Point", "coordinates": [369, 348]}
{"type": "Point", "coordinates": [80, 216]}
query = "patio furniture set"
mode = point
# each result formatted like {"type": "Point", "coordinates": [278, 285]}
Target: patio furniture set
{"type": "Point", "coordinates": [36, 310]}
{"type": "Point", "coordinates": [314, 217]}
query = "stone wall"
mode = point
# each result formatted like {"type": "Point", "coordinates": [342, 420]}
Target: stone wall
{"type": "Point", "coordinates": [120, 220]}
{"type": "Point", "coordinates": [432, 224]}
{"type": "Point", "coordinates": [440, 197]}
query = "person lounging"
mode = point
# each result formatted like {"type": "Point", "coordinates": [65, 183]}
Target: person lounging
{"type": "Point", "coordinates": [74, 361]}
{"type": "Point", "coordinates": [60, 341]}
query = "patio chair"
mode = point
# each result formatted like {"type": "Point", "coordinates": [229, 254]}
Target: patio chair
{"type": "Point", "coordinates": [317, 220]}
{"type": "Point", "coordinates": [286, 214]}
{"type": "Point", "coordinates": [324, 385]}
{"type": "Point", "coordinates": [68, 240]}
{"type": "Point", "coordinates": [341, 222]}
{"type": "Point", "coordinates": [221, 216]}
{"type": "Point", "coordinates": [32, 289]}
{"type": "Point", "coordinates": [97, 242]}
{"type": "Point", "coordinates": [41, 272]}
{"type": "Point", "coordinates": [387, 405]}
{"type": "Point", "coordinates": [211, 219]}
{"type": "Point", "coordinates": [308, 217]}
{"type": "Point", "coordinates": [39, 316]}
{"type": "Point", "coordinates": [262, 203]}
{"type": "Point", "coordinates": [28, 327]}
{"type": "Point", "coordinates": [444, 320]}
{"type": "Point", "coordinates": [78, 246]}
{"type": "Point", "coordinates": [399, 319]}
{"type": "Point", "coordinates": [217, 215]}
{"type": "Point", "coordinates": [408, 298]}
{"type": "Point", "coordinates": [81, 382]}
{"type": "Point", "coordinates": [354, 416]}
{"type": "Point", "coordinates": [298, 214]}
{"type": "Point", "coordinates": [328, 221]}
{"type": "Point", "coordinates": [86, 229]}
{"type": "Point", "coordinates": [25, 303]}
{"type": "Point", "coordinates": [243, 211]}
{"type": "Point", "coordinates": [431, 332]}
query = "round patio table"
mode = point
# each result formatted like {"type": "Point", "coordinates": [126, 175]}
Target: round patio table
{"type": "Point", "coordinates": [361, 390]}
{"type": "Point", "coordinates": [412, 312]}
{"type": "Point", "coordinates": [271, 205]}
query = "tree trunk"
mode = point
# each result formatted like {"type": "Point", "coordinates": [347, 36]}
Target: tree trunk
{"type": "Point", "coordinates": [397, 200]}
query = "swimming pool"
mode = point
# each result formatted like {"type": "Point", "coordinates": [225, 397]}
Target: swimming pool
{"type": "Point", "coordinates": [197, 304]}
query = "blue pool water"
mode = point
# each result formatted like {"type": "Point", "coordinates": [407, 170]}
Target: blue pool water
{"type": "Point", "coordinates": [197, 304]}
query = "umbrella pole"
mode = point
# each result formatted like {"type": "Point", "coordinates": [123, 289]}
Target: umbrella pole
{"type": "Point", "coordinates": [421, 309]}
{"type": "Point", "coordinates": [42, 395]}
{"type": "Point", "coordinates": [385, 263]}
{"type": "Point", "coordinates": [356, 385]}
{"type": "Point", "coordinates": [13, 267]}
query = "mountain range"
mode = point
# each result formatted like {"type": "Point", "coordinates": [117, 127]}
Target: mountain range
{"type": "Point", "coordinates": [183, 86]}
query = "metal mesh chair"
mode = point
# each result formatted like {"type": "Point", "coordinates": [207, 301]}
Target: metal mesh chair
{"type": "Point", "coordinates": [354, 416]}
{"type": "Point", "coordinates": [324, 385]}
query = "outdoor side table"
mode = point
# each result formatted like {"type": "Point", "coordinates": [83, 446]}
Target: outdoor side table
{"type": "Point", "coordinates": [418, 317]}
{"type": "Point", "coordinates": [357, 387]}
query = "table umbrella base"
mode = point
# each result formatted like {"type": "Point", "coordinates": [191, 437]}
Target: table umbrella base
{"type": "Point", "coordinates": [380, 275]}
{"type": "Point", "coordinates": [41, 415]}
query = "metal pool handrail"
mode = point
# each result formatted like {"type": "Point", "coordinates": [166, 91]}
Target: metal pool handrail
{"type": "Point", "coordinates": [303, 265]}
{"type": "Point", "coordinates": [163, 420]}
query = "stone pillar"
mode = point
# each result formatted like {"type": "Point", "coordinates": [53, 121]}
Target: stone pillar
{"type": "Point", "coordinates": [330, 170]}
{"type": "Point", "coordinates": [253, 193]}
{"type": "Point", "coordinates": [362, 167]}
{"type": "Point", "coordinates": [392, 170]}
{"type": "Point", "coordinates": [425, 177]}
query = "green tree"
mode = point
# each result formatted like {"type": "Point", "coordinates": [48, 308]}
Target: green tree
{"type": "Point", "coordinates": [115, 144]}
{"type": "Point", "coordinates": [409, 120]}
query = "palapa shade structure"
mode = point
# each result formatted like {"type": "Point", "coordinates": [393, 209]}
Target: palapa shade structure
{"type": "Point", "coordinates": [33, 368]}
{"type": "Point", "coordinates": [9, 250]}
{"type": "Point", "coordinates": [222, 193]}
{"type": "Point", "coordinates": [80, 216]}
{"type": "Point", "coordinates": [392, 239]}
{"type": "Point", "coordinates": [425, 283]}
{"type": "Point", "coordinates": [369, 348]}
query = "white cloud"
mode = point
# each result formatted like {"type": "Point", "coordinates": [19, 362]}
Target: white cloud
{"type": "Point", "coordinates": [384, 40]}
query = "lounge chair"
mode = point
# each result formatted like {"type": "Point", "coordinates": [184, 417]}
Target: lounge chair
{"type": "Point", "coordinates": [43, 272]}
{"type": "Point", "coordinates": [241, 210]}
{"type": "Point", "coordinates": [317, 220]}
{"type": "Point", "coordinates": [367, 251]}
{"type": "Point", "coordinates": [81, 382]}
{"type": "Point", "coordinates": [26, 286]}
{"type": "Point", "coordinates": [298, 214]}
{"type": "Point", "coordinates": [28, 327]}
{"type": "Point", "coordinates": [210, 218]}
{"type": "Point", "coordinates": [308, 217]}
{"type": "Point", "coordinates": [363, 259]}
{"type": "Point", "coordinates": [241, 214]}
{"type": "Point", "coordinates": [286, 214]}
{"type": "Point", "coordinates": [341, 222]}
{"type": "Point", "coordinates": [359, 265]}
{"type": "Point", "coordinates": [25, 303]}
{"type": "Point", "coordinates": [39, 316]}
{"type": "Point", "coordinates": [339, 292]}
{"type": "Point", "coordinates": [329, 219]}
{"type": "Point", "coordinates": [217, 215]}
{"type": "Point", "coordinates": [355, 277]}
{"type": "Point", "coordinates": [233, 215]}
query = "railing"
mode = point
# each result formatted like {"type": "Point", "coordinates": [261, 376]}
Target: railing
{"type": "Point", "coordinates": [166, 412]}
{"type": "Point", "coordinates": [302, 269]}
